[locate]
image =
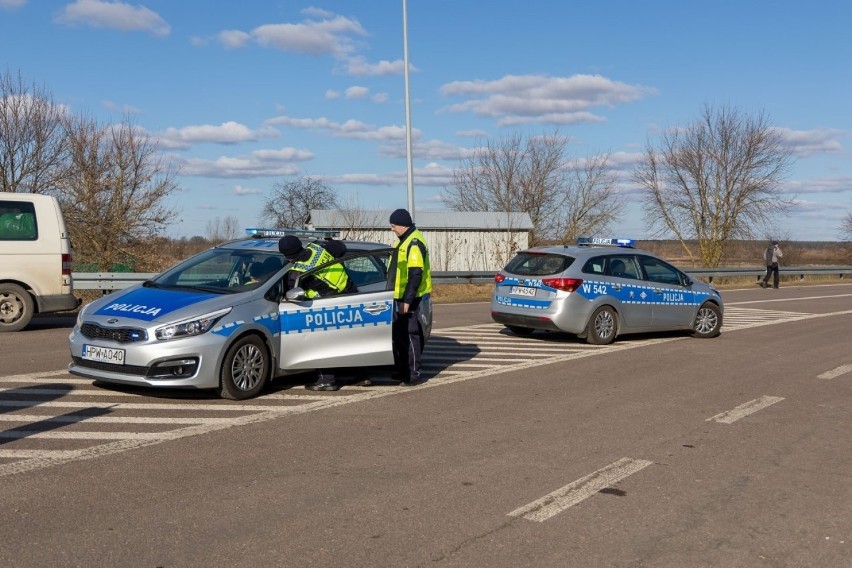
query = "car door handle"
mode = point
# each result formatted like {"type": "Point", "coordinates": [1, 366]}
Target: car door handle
{"type": "Point", "coordinates": [373, 310]}
{"type": "Point", "coordinates": [658, 290]}
{"type": "Point", "coordinates": [616, 287]}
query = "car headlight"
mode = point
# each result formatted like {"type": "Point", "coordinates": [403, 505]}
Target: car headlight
{"type": "Point", "coordinates": [80, 313]}
{"type": "Point", "coordinates": [190, 327]}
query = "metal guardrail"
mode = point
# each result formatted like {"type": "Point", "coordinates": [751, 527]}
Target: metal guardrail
{"type": "Point", "coordinates": [108, 281]}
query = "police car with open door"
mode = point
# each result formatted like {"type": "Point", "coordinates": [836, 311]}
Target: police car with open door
{"type": "Point", "coordinates": [224, 319]}
{"type": "Point", "coordinates": [600, 289]}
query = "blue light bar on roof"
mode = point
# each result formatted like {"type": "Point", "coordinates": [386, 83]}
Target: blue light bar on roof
{"type": "Point", "coordinates": [590, 241]}
{"type": "Point", "coordinates": [261, 233]}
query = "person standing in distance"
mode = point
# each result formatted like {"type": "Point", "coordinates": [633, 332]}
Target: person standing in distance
{"type": "Point", "coordinates": [772, 255]}
{"type": "Point", "coordinates": [412, 281]}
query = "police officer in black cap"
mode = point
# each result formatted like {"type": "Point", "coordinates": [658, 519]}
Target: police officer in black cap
{"type": "Point", "coordinates": [327, 281]}
{"type": "Point", "coordinates": [412, 282]}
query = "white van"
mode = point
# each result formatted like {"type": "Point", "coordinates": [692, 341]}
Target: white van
{"type": "Point", "coordinates": [35, 259]}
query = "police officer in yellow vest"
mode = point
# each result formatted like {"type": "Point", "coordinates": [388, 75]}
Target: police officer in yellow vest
{"type": "Point", "coordinates": [328, 281]}
{"type": "Point", "coordinates": [412, 282]}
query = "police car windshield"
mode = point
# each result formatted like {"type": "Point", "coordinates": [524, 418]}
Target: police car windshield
{"type": "Point", "coordinates": [223, 271]}
{"type": "Point", "coordinates": [538, 264]}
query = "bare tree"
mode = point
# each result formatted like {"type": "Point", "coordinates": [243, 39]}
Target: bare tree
{"type": "Point", "coordinates": [846, 227]}
{"type": "Point", "coordinates": [114, 191]}
{"type": "Point", "coordinates": [715, 180]}
{"type": "Point", "coordinates": [358, 222]}
{"type": "Point", "coordinates": [531, 175]}
{"type": "Point", "coordinates": [290, 203]}
{"type": "Point", "coordinates": [221, 230]}
{"type": "Point", "coordinates": [32, 139]}
{"type": "Point", "coordinates": [589, 200]}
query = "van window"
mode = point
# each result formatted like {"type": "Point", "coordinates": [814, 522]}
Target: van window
{"type": "Point", "coordinates": [17, 221]}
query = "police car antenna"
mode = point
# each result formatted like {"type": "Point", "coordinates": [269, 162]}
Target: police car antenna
{"type": "Point", "coordinates": [258, 233]}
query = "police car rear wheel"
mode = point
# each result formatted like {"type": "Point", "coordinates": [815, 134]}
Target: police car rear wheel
{"type": "Point", "coordinates": [602, 326]}
{"type": "Point", "coordinates": [16, 307]}
{"type": "Point", "coordinates": [708, 321]}
{"type": "Point", "coordinates": [245, 369]}
{"type": "Point", "coordinates": [520, 330]}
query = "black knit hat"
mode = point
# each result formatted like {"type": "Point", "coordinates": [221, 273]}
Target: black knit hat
{"type": "Point", "coordinates": [290, 246]}
{"type": "Point", "coordinates": [401, 217]}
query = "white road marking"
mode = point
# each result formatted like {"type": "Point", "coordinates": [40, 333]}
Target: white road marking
{"type": "Point", "coordinates": [80, 418]}
{"type": "Point", "coordinates": [141, 406]}
{"type": "Point", "coordinates": [834, 373]}
{"type": "Point", "coordinates": [80, 435]}
{"type": "Point", "coordinates": [529, 353]}
{"type": "Point", "coordinates": [744, 410]}
{"type": "Point", "coordinates": [787, 299]}
{"type": "Point", "coordinates": [553, 503]}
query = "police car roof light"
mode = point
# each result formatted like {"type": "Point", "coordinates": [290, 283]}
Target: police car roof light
{"type": "Point", "coordinates": [307, 233]}
{"type": "Point", "coordinates": [589, 241]}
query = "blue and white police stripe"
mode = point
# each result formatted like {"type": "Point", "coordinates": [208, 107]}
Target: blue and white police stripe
{"type": "Point", "coordinates": [337, 317]}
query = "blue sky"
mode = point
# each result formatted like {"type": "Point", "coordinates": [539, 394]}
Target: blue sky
{"type": "Point", "coordinates": [245, 94]}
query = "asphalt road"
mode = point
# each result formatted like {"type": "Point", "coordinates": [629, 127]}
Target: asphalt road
{"type": "Point", "coordinates": [660, 450]}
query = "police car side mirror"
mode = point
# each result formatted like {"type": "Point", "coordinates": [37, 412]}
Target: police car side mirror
{"type": "Point", "coordinates": [295, 294]}
{"type": "Point", "coordinates": [687, 280]}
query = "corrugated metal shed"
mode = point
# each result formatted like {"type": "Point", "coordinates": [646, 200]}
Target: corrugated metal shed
{"type": "Point", "coordinates": [457, 241]}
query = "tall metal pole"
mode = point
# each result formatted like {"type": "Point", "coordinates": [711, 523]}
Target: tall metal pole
{"type": "Point", "coordinates": [407, 108]}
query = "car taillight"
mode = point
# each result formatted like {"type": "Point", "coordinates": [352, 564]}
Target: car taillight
{"type": "Point", "coordinates": [499, 277]}
{"type": "Point", "coordinates": [66, 264]}
{"type": "Point", "coordinates": [566, 284]}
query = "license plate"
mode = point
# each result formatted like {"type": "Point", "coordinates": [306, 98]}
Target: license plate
{"type": "Point", "coordinates": [103, 354]}
{"type": "Point", "coordinates": [523, 291]}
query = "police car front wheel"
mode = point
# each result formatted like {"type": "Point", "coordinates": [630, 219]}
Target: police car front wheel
{"type": "Point", "coordinates": [708, 321]}
{"type": "Point", "coordinates": [245, 369]}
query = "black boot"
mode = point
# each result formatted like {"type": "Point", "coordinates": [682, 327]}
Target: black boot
{"type": "Point", "coordinates": [324, 382]}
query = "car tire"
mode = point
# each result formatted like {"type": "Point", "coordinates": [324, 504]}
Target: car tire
{"type": "Point", "coordinates": [603, 326]}
{"type": "Point", "coordinates": [16, 307]}
{"type": "Point", "coordinates": [245, 369]}
{"type": "Point", "coordinates": [517, 330]}
{"type": "Point", "coordinates": [708, 321]}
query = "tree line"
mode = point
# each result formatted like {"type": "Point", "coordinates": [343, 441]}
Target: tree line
{"type": "Point", "coordinates": [706, 184]}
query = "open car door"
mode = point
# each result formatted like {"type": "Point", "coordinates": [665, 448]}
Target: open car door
{"type": "Point", "coordinates": [347, 330]}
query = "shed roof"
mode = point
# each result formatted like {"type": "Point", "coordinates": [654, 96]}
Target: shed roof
{"type": "Point", "coordinates": [459, 220]}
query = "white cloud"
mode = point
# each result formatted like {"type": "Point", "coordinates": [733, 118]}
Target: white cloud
{"type": "Point", "coordinates": [842, 184]}
{"type": "Point", "coordinates": [126, 109]}
{"type": "Point", "coordinates": [360, 67]}
{"type": "Point", "coordinates": [261, 163]}
{"type": "Point", "coordinates": [12, 4]}
{"type": "Point", "coordinates": [240, 190]}
{"type": "Point", "coordinates": [113, 15]}
{"type": "Point", "coordinates": [809, 142]}
{"type": "Point", "coordinates": [331, 94]}
{"type": "Point", "coordinates": [525, 99]}
{"type": "Point", "coordinates": [433, 175]}
{"type": "Point", "coordinates": [353, 129]}
{"type": "Point", "coordinates": [330, 34]}
{"type": "Point", "coordinates": [379, 98]}
{"type": "Point", "coordinates": [233, 39]}
{"type": "Point", "coordinates": [431, 150]}
{"type": "Point", "coordinates": [356, 92]}
{"type": "Point", "coordinates": [226, 133]}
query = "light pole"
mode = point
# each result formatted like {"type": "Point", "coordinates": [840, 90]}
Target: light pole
{"type": "Point", "coordinates": [407, 108]}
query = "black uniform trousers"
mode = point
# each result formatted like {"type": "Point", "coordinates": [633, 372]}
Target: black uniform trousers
{"type": "Point", "coordinates": [407, 342]}
{"type": "Point", "coordinates": [771, 270]}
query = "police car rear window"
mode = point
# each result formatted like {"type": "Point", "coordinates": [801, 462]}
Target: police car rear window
{"type": "Point", "coordinates": [538, 264]}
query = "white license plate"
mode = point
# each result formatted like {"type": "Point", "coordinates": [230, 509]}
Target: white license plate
{"type": "Point", "coordinates": [523, 291]}
{"type": "Point", "coordinates": [103, 354]}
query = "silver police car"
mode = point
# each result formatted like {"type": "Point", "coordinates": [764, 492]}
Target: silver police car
{"type": "Point", "coordinates": [223, 320]}
{"type": "Point", "coordinates": [600, 289]}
